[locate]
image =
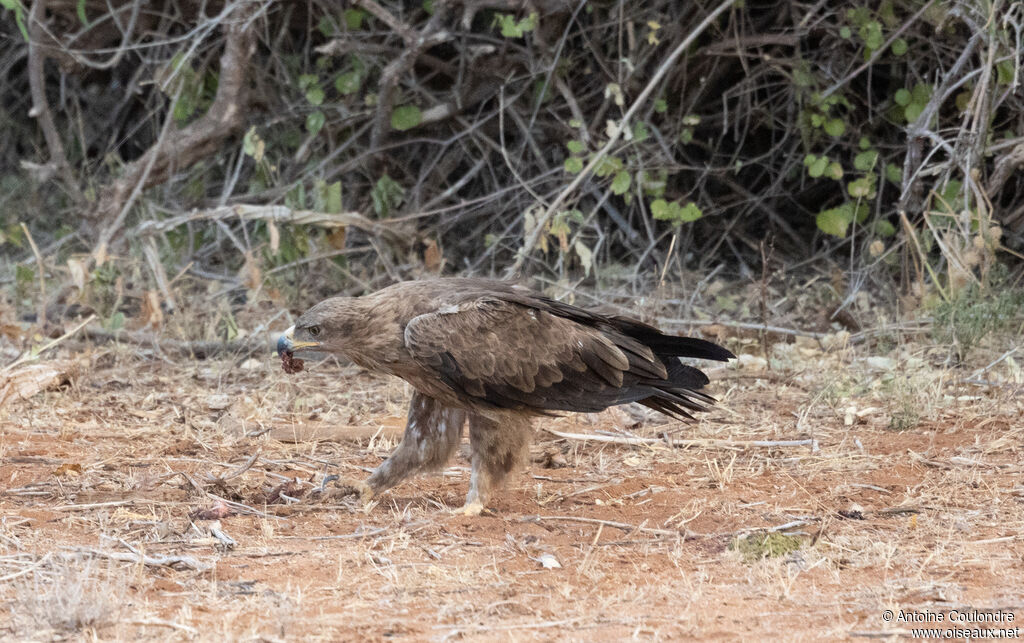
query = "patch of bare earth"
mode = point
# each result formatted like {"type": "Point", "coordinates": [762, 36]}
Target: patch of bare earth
{"type": "Point", "coordinates": [178, 501]}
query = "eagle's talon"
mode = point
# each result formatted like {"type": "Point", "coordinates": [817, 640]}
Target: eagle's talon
{"type": "Point", "coordinates": [474, 508]}
{"type": "Point", "coordinates": [323, 483]}
{"type": "Point", "coordinates": [349, 487]}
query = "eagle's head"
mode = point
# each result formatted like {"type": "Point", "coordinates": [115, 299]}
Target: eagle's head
{"type": "Point", "coordinates": [321, 328]}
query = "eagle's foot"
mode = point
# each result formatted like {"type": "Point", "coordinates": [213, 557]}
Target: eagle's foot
{"type": "Point", "coordinates": [471, 508]}
{"type": "Point", "coordinates": [344, 487]}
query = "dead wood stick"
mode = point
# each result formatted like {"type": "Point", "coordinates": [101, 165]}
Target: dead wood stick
{"type": "Point", "coordinates": [40, 107]}
{"type": "Point", "coordinates": [334, 433]}
{"type": "Point", "coordinates": [607, 523]}
{"type": "Point", "coordinates": [698, 442]}
{"type": "Point", "coordinates": [200, 349]}
{"type": "Point", "coordinates": [274, 214]}
{"type": "Point", "coordinates": [28, 357]}
{"type": "Point", "coordinates": [174, 562]}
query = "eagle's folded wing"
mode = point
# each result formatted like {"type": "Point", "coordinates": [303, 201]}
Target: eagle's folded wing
{"type": "Point", "coordinates": [506, 354]}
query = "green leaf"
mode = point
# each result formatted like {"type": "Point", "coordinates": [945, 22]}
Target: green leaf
{"type": "Point", "coordinates": [912, 111]}
{"type": "Point", "coordinates": [660, 105]}
{"type": "Point", "coordinates": [817, 167]}
{"type": "Point", "coordinates": [252, 145]}
{"type": "Point", "coordinates": [884, 229]}
{"type": "Point", "coordinates": [864, 143]}
{"type": "Point", "coordinates": [406, 117]}
{"type": "Point", "coordinates": [512, 28]}
{"type": "Point", "coordinates": [573, 165]}
{"type": "Point", "coordinates": [834, 221]}
{"type": "Point", "coordinates": [348, 83]}
{"type": "Point", "coordinates": [307, 80]}
{"type": "Point", "coordinates": [315, 95]}
{"type": "Point", "coordinates": [690, 212]}
{"type": "Point", "coordinates": [834, 171]}
{"type": "Point", "coordinates": [386, 195]}
{"type": "Point", "coordinates": [872, 35]}
{"type": "Point", "coordinates": [835, 127]}
{"type": "Point", "coordinates": [865, 161]}
{"type": "Point", "coordinates": [862, 188]}
{"type": "Point", "coordinates": [899, 47]}
{"type": "Point", "coordinates": [660, 209]}
{"type": "Point", "coordinates": [640, 133]}
{"type": "Point", "coordinates": [574, 147]}
{"type": "Point", "coordinates": [586, 256]}
{"type": "Point", "coordinates": [116, 321]}
{"type": "Point", "coordinates": [80, 10]}
{"type": "Point", "coordinates": [654, 184]}
{"type": "Point", "coordinates": [353, 19]}
{"type": "Point", "coordinates": [332, 198]}
{"type": "Point", "coordinates": [607, 166]}
{"type": "Point", "coordinates": [19, 15]}
{"type": "Point", "coordinates": [1004, 72]}
{"type": "Point", "coordinates": [621, 182]}
{"type": "Point", "coordinates": [922, 93]}
{"type": "Point", "coordinates": [893, 173]}
{"type": "Point", "coordinates": [686, 135]}
{"type": "Point", "coordinates": [315, 122]}
{"type": "Point", "coordinates": [845, 33]}
{"type": "Point", "coordinates": [902, 97]}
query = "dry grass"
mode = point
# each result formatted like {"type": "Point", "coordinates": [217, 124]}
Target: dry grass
{"type": "Point", "coordinates": [103, 482]}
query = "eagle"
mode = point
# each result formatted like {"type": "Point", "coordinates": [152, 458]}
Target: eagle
{"type": "Point", "coordinates": [493, 354]}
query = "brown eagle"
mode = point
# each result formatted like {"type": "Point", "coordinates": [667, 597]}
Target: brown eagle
{"type": "Point", "coordinates": [495, 354]}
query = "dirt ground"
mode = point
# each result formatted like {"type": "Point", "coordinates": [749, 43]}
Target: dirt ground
{"type": "Point", "coordinates": [159, 497]}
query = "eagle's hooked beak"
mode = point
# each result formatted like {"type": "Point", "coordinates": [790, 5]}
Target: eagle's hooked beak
{"type": "Point", "coordinates": [287, 344]}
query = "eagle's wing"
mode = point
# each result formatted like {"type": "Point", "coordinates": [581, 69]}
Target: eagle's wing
{"type": "Point", "coordinates": [507, 354]}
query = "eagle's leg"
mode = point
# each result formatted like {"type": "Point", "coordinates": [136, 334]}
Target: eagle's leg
{"type": "Point", "coordinates": [497, 449]}
{"type": "Point", "coordinates": [431, 436]}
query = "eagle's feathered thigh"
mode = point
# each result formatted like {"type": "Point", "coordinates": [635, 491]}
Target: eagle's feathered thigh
{"type": "Point", "coordinates": [496, 354]}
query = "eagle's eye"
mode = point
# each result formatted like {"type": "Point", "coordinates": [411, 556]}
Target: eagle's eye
{"type": "Point", "coordinates": [314, 331]}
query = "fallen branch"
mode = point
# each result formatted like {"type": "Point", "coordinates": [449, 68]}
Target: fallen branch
{"type": "Point", "coordinates": [607, 523]}
{"type": "Point", "coordinates": [174, 562]}
{"type": "Point", "coordinates": [275, 214]}
{"type": "Point", "coordinates": [698, 442]}
{"type": "Point", "coordinates": [32, 356]}
{"type": "Point", "coordinates": [199, 349]}
{"type": "Point", "coordinates": [334, 433]}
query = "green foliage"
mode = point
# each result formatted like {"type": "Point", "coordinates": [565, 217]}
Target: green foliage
{"type": "Point", "coordinates": [974, 313]}
{"type": "Point", "coordinates": [913, 101]}
{"type": "Point", "coordinates": [310, 85]}
{"type": "Point", "coordinates": [758, 546]}
{"type": "Point", "coordinates": [405, 117]}
{"type": "Point", "coordinates": [621, 182]}
{"type": "Point", "coordinates": [353, 19]}
{"type": "Point", "coordinates": [512, 28]}
{"type": "Point", "coordinates": [19, 15]}
{"type": "Point", "coordinates": [836, 221]}
{"type": "Point", "coordinates": [674, 212]}
{"type": "Point", "coordinates": [387, 194]}
{"type": "Point", "coordinates": [315, 122]}
{"type": "Point", "coordinates": [328, 196]}
{"type": "Point", "coordinates": [348, 83]}
{"type": "Point", "coordinates": [195, 91]}
{"type": "Point", "coordinates": [573, 165]}
{"type": "Point", "coordinates": [818, 166]}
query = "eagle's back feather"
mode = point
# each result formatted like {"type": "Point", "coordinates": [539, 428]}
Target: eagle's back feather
{"type": "Point", "coordinates": [494, 345]}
